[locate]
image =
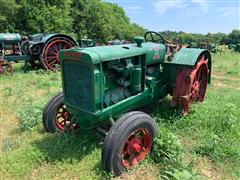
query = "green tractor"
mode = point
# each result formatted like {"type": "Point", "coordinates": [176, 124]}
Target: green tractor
{"type": "Point", "coordinates": [102, 87]}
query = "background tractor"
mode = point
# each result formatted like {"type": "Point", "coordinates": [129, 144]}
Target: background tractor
{"type": "Point", "coordinates": [103, 85]}
{"type": "Point", "coordinates": [40, 50]}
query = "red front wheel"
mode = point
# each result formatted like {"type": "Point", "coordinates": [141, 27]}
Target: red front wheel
{"type": "Point", "coordinates": [6, 68]}
{"type": "Point", "coordinates": [56, 118]}
{"type": "Point", "coordinates": [128, 142]}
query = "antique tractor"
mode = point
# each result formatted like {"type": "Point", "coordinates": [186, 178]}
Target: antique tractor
{"type": "Point", "coordinates": [38, 49]}
{"type": "Point", "coordinates": [103, 85]}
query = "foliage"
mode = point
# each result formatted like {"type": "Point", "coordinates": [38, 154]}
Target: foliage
{"type": "Point", "coordinates": [176, 174]}
{"type": "Point", "coordinates": [8, 11]}
{"type": "Point", "coordinates": [167, 147]}
{"type": "Point", "coordinates": [29, 114]}
{"type": "Point", "coordinates": [95, 19]}
{"type": "Point", "coordinates": [36, 16]}
{"type": "Point", "coordinates": [199, 39]}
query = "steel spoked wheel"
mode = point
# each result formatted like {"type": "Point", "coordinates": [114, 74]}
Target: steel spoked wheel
{"type": "Point", "coordinates": [6, 68]}
{"type": "Point", "coordinates": [190, 85]}
{"type": "Point", "coordinates": [199, 81]}
{"type": "Point", "coordinates": [136, 148]}
{"type": "Point", "coordinates": [55, 116]}
{"type": "Point", "coordinates": [62, 119]}
{"type": "Point", "coordinates": [51, 50]}
{"type": "Point", "coordinates": [128, 142]}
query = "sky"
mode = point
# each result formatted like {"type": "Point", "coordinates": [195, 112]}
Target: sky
{"type": "Point", "coordinates": [193, 16]}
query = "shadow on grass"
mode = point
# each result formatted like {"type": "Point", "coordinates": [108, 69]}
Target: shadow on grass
{"type": "Point", "coordinates": [74, 146]}
{"type": "Point", "coordinates": [27, 67]}
{"type": "Point", "coordinates": [68, 146]}
{"type": "Point", "coordinates": [162, 111]}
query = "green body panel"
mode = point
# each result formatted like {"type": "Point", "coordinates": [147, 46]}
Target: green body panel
{"type": "Point", "coordinates": [100, 83]}
{"type": "Point", "coordinates": [44, 37]}
{"type": "Point", "coordinates": [93, 119]}
{"type": "Point", "coordinates": [154, 52]}
{"type": "Point", "coordinates": [185, 57]}
{"type": "Point", "coordinates": [10, 38]}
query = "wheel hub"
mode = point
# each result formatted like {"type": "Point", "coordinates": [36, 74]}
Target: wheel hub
{"type": "Point", "coordinates": [136, 148]}
{"type": "Point", "coordinates": [62, 119]}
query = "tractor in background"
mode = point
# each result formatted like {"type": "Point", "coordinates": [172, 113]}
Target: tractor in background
{"type": "Point", "coordinates": [38, 49]}
{"type": "Point", "coordinates": [101, 87]}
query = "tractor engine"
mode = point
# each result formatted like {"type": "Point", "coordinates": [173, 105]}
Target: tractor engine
{"type": "Point", "coordinates": [98, 78]}
{"type": "Point", "coordinates": [123, 79]}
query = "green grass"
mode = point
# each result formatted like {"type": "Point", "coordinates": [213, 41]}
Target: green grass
{"type": "Point", "coordinates": [203, 144]}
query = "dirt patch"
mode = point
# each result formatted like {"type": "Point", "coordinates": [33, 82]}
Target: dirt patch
{"type": "Point", "coordinates": [225, 77]}
{"type": "Point", "coordinates": [211, 171]}
{"type": "Point", "coordinates": [141, 174]}
{"type": "Point", "coordinates": [220, 84]}
{"type": "Point", "coordinates": [8, 122]}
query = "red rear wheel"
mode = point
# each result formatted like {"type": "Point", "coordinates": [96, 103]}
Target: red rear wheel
{"type": "Point", "coordinates": [6, 68]}
{"type": "Point", "coordinates": [50, 52]}
{"type": "Point", "coordinates": [190, 85]}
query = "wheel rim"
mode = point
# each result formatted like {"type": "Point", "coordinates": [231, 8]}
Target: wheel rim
{"type": "Point", "coordinates": [136, 147]}
{"type": "Point", "coordinates": [199, 83]}
{"type": "Point", "coordinates": [5, 68]}
{"type": "Point", "coordinates": [190, 85]}
{"type": "Point", "coordinates": [62, 119]}
{"type": "Point", "coordinates": [52, 50]}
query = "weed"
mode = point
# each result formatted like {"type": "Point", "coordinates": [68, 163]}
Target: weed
{"type": "Point", "coordinates": [167, 147]}
{"type": "Point", "coordinates": [30, 114]}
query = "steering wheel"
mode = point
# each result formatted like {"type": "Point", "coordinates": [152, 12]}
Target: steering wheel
{"type": "Point", "coordinates": [155, 37]}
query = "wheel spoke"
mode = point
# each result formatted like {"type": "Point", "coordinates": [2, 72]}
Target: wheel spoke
{"type": "Point", "coordinates": [51, 57]}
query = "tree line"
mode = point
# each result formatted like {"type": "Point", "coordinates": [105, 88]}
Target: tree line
{"type": "Point", "coordinates": [92, 18]}
{"type": "Point", "coordinates": [209, 38]}
{"type": "Point", "coordinates": [95, 19]}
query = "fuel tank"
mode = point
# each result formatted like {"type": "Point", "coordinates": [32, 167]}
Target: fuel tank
{"type": "Point", "coordinates": [10, 38]}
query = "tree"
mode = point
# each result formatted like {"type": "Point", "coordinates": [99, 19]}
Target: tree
{"type": "Point", "coordinates": [234, 36]}
{"type": "Point", "coordinates": [43, 16]}
{"type": "Point", "coordinates": [8, 10]}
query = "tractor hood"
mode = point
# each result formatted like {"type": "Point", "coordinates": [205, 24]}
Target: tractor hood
{"type": "Point", "coordinates": [99, 54]}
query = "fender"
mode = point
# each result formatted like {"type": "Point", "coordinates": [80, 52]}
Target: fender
{"type": "Point", "coordinates": [189, 57]}
{"type": "Point", "coordinates": [45, 39]}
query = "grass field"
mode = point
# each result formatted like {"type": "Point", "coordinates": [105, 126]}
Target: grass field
{"type": "Point", "coordinates": [202, 145]}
